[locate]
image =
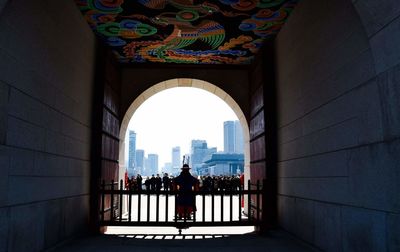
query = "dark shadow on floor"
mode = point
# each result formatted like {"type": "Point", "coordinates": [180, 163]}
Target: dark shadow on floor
{"type": "Point", "coordinates": [272, 241]}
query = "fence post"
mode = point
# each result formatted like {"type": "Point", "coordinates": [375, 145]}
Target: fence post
{"type": "Point", "coordinates": [263, 225]}
{"type": "Point", "coordinates": [222, 205]}
{"type": "Point", "coordinates": [120, 200]}
{"type": "Point", "coordinates": [139, 205]}
{"type": "Point", "coordinates": [249, 200]}
{"type": "Point", "coordinates": [212, 202]}
{"type": "Point", "coordinates": [157, 204]}
{"type": "Point", "coordinates": [112, 201]}
{"type": "Point", "coordinates": [258, 201]}
{"type": "Point", "coordinates": [166, 205]}
{"type": "Point", "coordinates": [230, 204]}
{"type": "Point", "coordinates": [240, 202]}
{"type": "Point", "coordinates": [129, 205]}
{"type": "Point", "coordinates": [103, 187]}
{"type": "Point", "coordinates": [148, 205]}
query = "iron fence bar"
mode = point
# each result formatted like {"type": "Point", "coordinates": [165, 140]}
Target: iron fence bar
{"type": "Point", "coordinates": [176, 206]}
{"type": "Point", "coordinates": [112, 200]}
{"type": "Point", "coordinates": [120, 201]}
{"type": "Point", "coordinates": [166, 206]}
{"type": "Point", "coordinates": [263, 202]}
{"type": "Point", "coordinates": [240, 202]}
{"type": "Point", "coordinates": [204, 207]}
{"type": "Point", "coordinates": [139, 204]}
{"type": "Point", "coordinates": [148, 206]}
{"type": "Point", "coordinates": [130, 206]}
{"type": "Point", "coordinates": [222, 207]}
{"type": "Point", "coordinates": [102, 201]}
{"type": "Point", "coordinates": [157, 205]}
{"type": "Point", "coordinates": [249, 201]}
{"type": "Point", "coordinates": [231, 205]}
{"type": "Point", "coordinates": [212, 203]}
{"type": "Point", "coordinates": [258, 200]}
{"type": "Point", "coordinates": [194, 207]}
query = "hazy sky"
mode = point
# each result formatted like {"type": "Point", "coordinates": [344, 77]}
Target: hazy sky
{"type": "Point", "coordinates": [174, 117]}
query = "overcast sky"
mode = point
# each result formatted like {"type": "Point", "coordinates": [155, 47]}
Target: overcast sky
{"type": "Point", "coordinates": [174, 117]}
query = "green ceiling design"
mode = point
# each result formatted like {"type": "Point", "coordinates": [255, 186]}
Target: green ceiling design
{"type": "Point", "coordinates": [186, 31]}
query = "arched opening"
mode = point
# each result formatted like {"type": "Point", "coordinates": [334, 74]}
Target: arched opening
{"type": "Point", "coordinates": [225, 97]}
{"type": "Point", "coordinates": [184, 83]}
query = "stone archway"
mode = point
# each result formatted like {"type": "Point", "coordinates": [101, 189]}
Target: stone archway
{"type": "Point", "coordinates": [184, 82]}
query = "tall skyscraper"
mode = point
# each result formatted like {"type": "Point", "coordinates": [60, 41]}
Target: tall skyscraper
{"type": "Point", "coordinates": [199, 151]}
{"type": "Point", "coordinates": [139, 163]}
{"type": "Point", "coordinates": [153, 164]}
{"type": "Point", "coordinates": [239, 143]}
{"type": "Point", "coordinates": [176, 157]}
{"type": "Point", "coordinates": [229, 136]}
{"type": "Point", "coordinates": [233, 137]}
{"type": "Point", "coordinates": [167, 168]}
{"type": "Point", "coordinates": [132, 151]}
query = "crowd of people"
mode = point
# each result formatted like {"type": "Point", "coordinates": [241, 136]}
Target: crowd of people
{"type": "Point", "coordinates": [166, 182]}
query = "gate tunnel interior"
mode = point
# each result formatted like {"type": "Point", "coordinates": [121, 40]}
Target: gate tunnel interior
{"type": "Point", "coordinates": [329, 80]}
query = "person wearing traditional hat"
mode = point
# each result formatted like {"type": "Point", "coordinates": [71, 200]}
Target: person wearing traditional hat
{"type": "Point", "coordinates": [185, 184]}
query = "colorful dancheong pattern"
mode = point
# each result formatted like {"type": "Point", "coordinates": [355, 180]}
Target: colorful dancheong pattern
{"type": "Point", "coordinates": [186, 31]}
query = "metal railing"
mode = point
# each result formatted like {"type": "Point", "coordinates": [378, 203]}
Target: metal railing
{"type": "Point", "coordinates": [229, 207]}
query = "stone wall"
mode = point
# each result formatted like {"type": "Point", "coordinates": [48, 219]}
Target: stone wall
{"type": "Point", "coordinates": [338, 79]}
{"type": "Point", "coordinates": [46, 76]}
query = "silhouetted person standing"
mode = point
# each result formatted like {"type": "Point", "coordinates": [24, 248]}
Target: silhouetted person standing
{"type": "Point", "coordinates": [139, 182]}
{"type": "Point", "coordinates": [166, 182]}
{"type": "Point", "coordinates": [153, 183]}
{"type": "Point", "coordinates": [158, 183]}
{"type": "Point", "coordinates": [147, 184]}
{"type": "Point", "coordinates": [185, 184]}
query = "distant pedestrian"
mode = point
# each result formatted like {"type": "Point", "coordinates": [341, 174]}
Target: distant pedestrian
{"type": "Point", "coordinates": [166, 182]}
{"type": "Point", "coordinates": [139, 182]}
{"type": "Point", "coordinates": [158, 182]}
{"type": "Point", "coordinates": [153, 183]}
{"type": "Point", "coordinates": [147, 184]}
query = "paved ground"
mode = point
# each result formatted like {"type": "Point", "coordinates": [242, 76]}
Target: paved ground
{"type": "Point", "coordinates": [273, 241]}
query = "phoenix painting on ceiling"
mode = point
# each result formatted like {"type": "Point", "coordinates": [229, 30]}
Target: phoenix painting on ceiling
{"type": "Point", "coordinates": [186, 31]}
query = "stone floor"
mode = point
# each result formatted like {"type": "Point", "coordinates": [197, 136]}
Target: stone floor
{"type": "Point", "coordinates": [189, 241]}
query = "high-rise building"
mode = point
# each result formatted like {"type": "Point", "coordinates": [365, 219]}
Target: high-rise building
{"type": "Point", "coordinates": [139, 163]}
{"type": "Point", "coordinates": [176, 157]}
{"type": "Point", "coordinates": [176, 161]}
{"type": "Point", "coordinates": [153, 164]}
{"type": "Point", "coordinates": [199, 151]}
{"type": "Point", "coordinates": [167, 168]}
{"type": "Point", "coordinates": [229, 136]}
{"type": "Point", "coordinates": [132, 151]}
{"type": "Point", "coordinates": [223, 164]}
{"type": "Point", "coordinates": [239, 143]}
{"type": "Point", "coordinates": [233, 137]}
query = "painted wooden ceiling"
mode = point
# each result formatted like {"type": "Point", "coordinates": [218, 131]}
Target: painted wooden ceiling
{"type": "Point", "coordinates": [186, 31]}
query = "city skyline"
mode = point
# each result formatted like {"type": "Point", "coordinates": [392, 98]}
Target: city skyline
{"type": "Point", "coordinates": [175, 117]}
{"type": "Point", "coordinates": [233, 144]}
